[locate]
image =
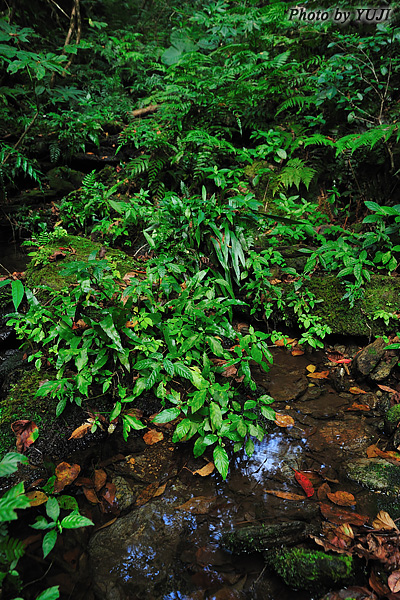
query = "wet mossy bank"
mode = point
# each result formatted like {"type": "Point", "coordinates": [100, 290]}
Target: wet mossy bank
{"type": "Point", "coordinates": [382, 293]}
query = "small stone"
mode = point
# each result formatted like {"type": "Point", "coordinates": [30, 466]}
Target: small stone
{"type": "Point", "coordinates": [370, 356]}
{"type": "Point", "coordinates": [384, 368]}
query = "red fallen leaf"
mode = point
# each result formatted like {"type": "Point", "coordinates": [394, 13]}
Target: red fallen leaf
{"type": "Point", "coordinates": [386, 388]}
{"type": "Point", "coordinates": [100, 477]}
{"type": "Point", "coordinates": [26, 431]}
{"type": "Point", "coordinates": [342, 498]}
{"type": "Point", "coordinates": [65, 475]}
{"type": "Point", "coordinates": [81, 431]}
{"type": "Point", "coordinates": [394, 582]}
{"type": "Point", "coordinates": [340, 516]}
{"type": "Point", "coordinates": [305, 483]}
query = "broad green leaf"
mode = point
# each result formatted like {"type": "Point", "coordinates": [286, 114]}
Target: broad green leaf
{"type": "Point", "coordinates": [167, 415]}
{"type": "Point", "coordinates": [9, 463]}
{"type": "Point", "coordinates": [17, 292]}
{"type": "Point", "coordinates": [221, 461]}
{"type": "Point", "coordinates": [268, 413]}
{"type": "Point", "coordinates": [75, 520]}
{"type": "Point", "coordinates": [108, 327]}
{"type": "Point", "coordinates": [215, 415]}
{"type": "Point", "coordinates": [133, 422]}
{"type": "Point", "coordinates": [49, 594]}
{"type": "Point", "coordinates": [49, 542]}
{"type": "Point", "coordinates": [183, 371]}
{"type": "Point", "coordinates": [10, 501]}
{"type": "Point", "coordinates": [181, 430]}
{"type": "Point", "coordinates": [169, 367]}
{"type": "Point", "coordinates": [215, 345]}
{"type": "Point", "coordinates": [197, 400]}
{"type": "Point", "coordinates": [52, 509]}
{"type": "Point", "coordinates": [152, 378]}
{"type": "Point", "coordinates": [249, 447]}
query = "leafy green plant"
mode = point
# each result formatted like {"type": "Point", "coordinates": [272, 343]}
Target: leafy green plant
{"type": "Point", "coordinates": [54, 525]}
{"type": "Point", "coordinates": [11, 549]}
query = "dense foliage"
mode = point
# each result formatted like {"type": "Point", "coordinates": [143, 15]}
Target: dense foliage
{"type": "Point", "coordinates": [229, 128]}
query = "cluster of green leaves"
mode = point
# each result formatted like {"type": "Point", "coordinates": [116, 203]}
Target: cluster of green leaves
{"type": "Point", "coordinates": [12, 549]}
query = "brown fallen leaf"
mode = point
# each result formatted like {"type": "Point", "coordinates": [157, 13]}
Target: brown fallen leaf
{"type": "Point", "coordinates": [357, 406]}
{"type": "Point", "coordinates": [285, 341]}
{"type": "Point", "coordinates": [106, 524]}
{"type": "Point", "coordinates": [206, 470]}
{"type": "Point", "coordinates": [147, 494]}
{"type": "Point", "coordinates": [357, 390]}
{"type": "Point", "coordinates": [36, 498]}
{"type": "Point", "coordinates": [342, 498]}
{"type": "Point", "coordinates": [152, 436]}
{"type": "Point", "coordinates": [81, 431]}
{"type": "Point", "coordinates": [384, 521]}
{"type": "Point", "coordinates": [285, 495]}
{"type": "Point", "coordinates": [108, 496]}
{"type": "Point", "coordinates": [200, 505]}
{"type": "Point", "coordinates": [319, 375]}
{"type": "Point", "coordinates": [394, 582]}
{"type": "Point", "coordinates": [297, 352]}
{"type": "Point", "coordinates": [90, 495]}
{"type": "Point", "coordinates": [283, 420]}
{"type": "Point", "coordinates": [65, 475]}
{"type": "Point", "coordinates": [323, 491]}
{"type": "Point", "coordinates": [57, 255]}
{"type": "Point", "coordinates": [160, 490]}
{"type": "Point", "coordinates": [26, 431]}
{"type": "Point", "coordinates": [340, 516]}
{"type": "Point", "coordinates": [100, 477]}
{"type": "Point", "coordinates": [386, 388]}
{"type": "Point", "coordinates": [229, 371]}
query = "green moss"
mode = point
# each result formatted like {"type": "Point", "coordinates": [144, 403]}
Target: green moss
{"type": "Point", "coordinates": [22, 404]}
{"type": "Point", "coordinates": [313, 571]}
{"type": "Point", "coordinates": [375, 474]}
{"type": "Point", "coordinates": [393, 414]}
{"type": "Point", "coordinates": [381, 293]}
{"type": "Point", "coordinates": [49, 274]}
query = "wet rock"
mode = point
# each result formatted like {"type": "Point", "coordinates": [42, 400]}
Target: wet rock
{"type": "Point", "coordinates": [136, 555]}
{"type": "Point", "coordinates": [228, 594]}
{"type": "Point", "coordinates": [124, 494]}
{"type": "Point", "coordinates": [312, 393]}
{"type": "Point", "coordinates": [369, 357]}
{"type": "Point", "coordinates": [64, 180]}
{"type": "Point", "coordinates": [392, 419]}
{"type": "Point", "coordinates": [371, 400]}
{"type": "Point", "coordinates": [257, 538]}
{"type": "Point", "coordinates": [313, 571]}
{"type": "Point", "coordinates": [376, 474]}
{"type": "Point", "coordinates": [287, 390]}
{"type": "Point", "coordinates": [384, 368]}
{"type": "Point", "coordinates": [351, 435]}
{"type": "Point", "coordinates": [147, 466]}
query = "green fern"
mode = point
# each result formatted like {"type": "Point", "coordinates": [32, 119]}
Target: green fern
{"type": "Point", "coordinates": [296, 172]}
{"type": "Point", "coordinates": [369, 138]}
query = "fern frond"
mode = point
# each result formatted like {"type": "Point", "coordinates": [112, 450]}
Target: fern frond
{"type": "Point", "coordinates": [296, 172]}
{"type": "Point", "coordinates": [369, 138]}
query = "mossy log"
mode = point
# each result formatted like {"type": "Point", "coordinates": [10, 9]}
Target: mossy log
{"type": "Point", "coordinates": [257, 538]}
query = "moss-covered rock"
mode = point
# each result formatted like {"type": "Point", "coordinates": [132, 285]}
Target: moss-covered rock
{"type": "Point", "coordinates": [376, 474]}
{"type": "Point", "coordinates": [392, 418]}
{"type": "Point", "coordinates": [381, 293]}
{"type": "Point", "coordinates": [21, 403]}
{"type": "Point", "coordinates": [262, 537]}
{"type": "Point", "coordinates": [42, 271]}
{"type": "Point", "coordinates": [314, 571]}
